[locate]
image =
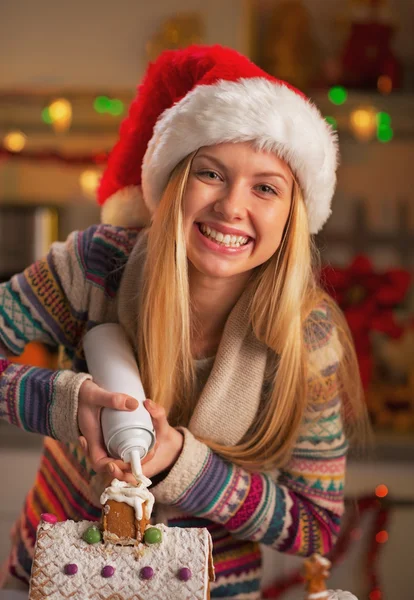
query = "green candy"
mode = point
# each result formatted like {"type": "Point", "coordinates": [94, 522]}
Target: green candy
{"type": "Point", "coordinates": [92, 535]}
{"type": "Point", "coordinates": [152, 535]}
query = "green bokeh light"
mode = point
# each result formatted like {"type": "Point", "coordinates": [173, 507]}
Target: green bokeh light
{"type": "Point", "coordinates": [117, 107]}
{"type": "Point", "coordinates": [385, 133]}
{"type": "Point", "coordinates": [383, 119]}
{"type": "Point", "coordinates": [102, 104]}
{"type": "Point", "coordinates": [337, 95]}
{"type": "Point", "coordinates": [332, 121]}
{"type": "Point", "coordinates": [46, 118]}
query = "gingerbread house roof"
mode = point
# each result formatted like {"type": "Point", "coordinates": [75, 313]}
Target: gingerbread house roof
{"type": "Point", "coordinates": [65, 566]}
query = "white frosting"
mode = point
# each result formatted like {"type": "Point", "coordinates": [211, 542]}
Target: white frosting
{"type": "Point", "coordinates": [340, 595]}
{"type": "Point", "coordinates": [332, 595]}
{"type": "Point", "coordinates": [133, 495]}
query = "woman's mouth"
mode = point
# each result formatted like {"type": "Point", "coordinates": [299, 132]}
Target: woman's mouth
{"type": "Point", "coordinates": [218, 241]}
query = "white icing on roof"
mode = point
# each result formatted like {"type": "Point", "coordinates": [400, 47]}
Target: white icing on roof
{"type": "Point", "coordinates": [137, 496]}
{"type": "Point", "coordinates": [60, 544]}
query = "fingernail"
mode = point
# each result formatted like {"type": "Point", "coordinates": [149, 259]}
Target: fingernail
{"type": "Point", "coordinates": [150, 403]}
{"type": "Point", "coordinates": [111, 468]}
{"type": "Point", "coordinates": [131, 403]}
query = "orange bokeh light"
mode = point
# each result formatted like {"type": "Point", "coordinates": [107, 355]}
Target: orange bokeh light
{"type": "Point", "coordinates": [381, 490]}
{"type": "Point", "coordinates": [381, 537]}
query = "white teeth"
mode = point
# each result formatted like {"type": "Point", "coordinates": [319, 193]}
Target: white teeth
{"type": "Point", "coordinates": [234, 241]}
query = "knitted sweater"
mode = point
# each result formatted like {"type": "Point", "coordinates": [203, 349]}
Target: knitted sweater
{"type": "Point", "coordinates": [90, 280]}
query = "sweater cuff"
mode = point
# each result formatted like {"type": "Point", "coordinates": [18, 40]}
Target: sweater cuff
{"type": "Point", "coordinates": [185, 471]}
{"type": "Point", "coordinates": [64, 409]}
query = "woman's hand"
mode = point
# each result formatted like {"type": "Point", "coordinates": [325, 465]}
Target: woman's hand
{"type": "Point", "coordinates": [168, 446]}
{"type": "Point", "coordinates": [91, 400]}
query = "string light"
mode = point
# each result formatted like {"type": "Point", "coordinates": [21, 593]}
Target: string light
{"type": "Point", "coordinates": [332, 121]}
{"type": "Point", "coordinates": [384, 84]}
{"type": "Point", "coordinates": [103, 104]}
{"type": "Point", "coordinates": [363, 123]}
{"type": "Point", "coordinates": [89, 181]}
{"type": "Point", "coordinates": [381, 537]}
{"type": "Point", "coordinates": [338, 95]}
{"type": "Point", "coordinates": [60, 112]}
{"type": "Point", "coordinates": [381, 490]}
{"type": "Point", "coordinates": [15, 141]}
{"type": "Point", "coordinates": [46, 118]}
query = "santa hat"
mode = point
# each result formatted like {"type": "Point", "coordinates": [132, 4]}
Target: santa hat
{"type": "Point", "coordinates": [206, 95]}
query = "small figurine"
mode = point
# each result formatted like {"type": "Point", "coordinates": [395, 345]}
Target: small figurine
{"type": "Point", "coordinates": [316, 573]}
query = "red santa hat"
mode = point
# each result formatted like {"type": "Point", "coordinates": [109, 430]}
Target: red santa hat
{"type": "Point", "coordinates": [206, 95]}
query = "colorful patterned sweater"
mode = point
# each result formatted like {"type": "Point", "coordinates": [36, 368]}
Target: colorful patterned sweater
{"type": "Point", "coordinates": [297, 510]}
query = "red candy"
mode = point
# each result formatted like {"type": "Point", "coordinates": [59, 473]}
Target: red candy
{"type": "Point", "coordinates": [108, 571]}
{"type": "Point", "coordinates": [71, 569]}
{"type": "Point", "coordinates": [49, 518]}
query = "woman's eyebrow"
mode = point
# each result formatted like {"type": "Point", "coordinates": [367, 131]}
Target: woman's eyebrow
{"type": "Point", "coordinates": [209, 157]}
{"type": "Point", "coordinates": [271, 174]}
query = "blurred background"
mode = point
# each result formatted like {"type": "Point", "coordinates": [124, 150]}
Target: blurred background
{"type": "Point", "coordinates": [69, 71]}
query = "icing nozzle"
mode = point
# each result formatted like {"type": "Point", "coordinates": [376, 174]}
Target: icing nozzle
{"type": "Point", "coordinates": [135, 460]}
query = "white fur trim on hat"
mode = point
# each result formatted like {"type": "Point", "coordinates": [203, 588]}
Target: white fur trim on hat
{"type": "Point", "coordinates": [126, 208]}
{"type": "Point", "coordinates": [270, 114]}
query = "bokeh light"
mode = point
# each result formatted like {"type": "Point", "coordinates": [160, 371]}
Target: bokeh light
{"type": "Point", "coordinates": [15, 141]}
{"type": "Point", "coordinates": [381, 537]}
{"type": "Point", "coordinates": [338, 95]}
{"type": "Point", "coordinates": [381, 490]}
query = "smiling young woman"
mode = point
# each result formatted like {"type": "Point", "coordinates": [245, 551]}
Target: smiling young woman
{"type": "Point", "coordinates": [248, 363]}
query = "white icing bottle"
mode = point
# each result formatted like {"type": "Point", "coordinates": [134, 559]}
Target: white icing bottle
{"type": "Point", "coordinates": [128, 435]}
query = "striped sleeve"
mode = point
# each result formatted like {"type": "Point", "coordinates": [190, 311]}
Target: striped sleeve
{"type": "Point", "coordinates": [299, 510]}
{"type": "Point", "coordinates": [47, 303]}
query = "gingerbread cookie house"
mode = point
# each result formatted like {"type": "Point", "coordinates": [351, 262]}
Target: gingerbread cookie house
{"type": "Point", "coordinates": [122, 558]}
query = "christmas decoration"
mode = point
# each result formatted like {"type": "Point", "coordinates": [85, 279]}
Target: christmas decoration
{"type": "Point", "coordinates": [369, 300]}
{"type": "Point", "coordinates": [357, 509]}
{"type": "Point", "coordinates": [368, 61]}
{"type": "Point", "coordinates": [379, 309]}
{"type": "Point", "coordinates": [54, 156]}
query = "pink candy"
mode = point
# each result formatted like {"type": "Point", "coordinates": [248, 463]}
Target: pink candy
{"type": "Point", "coordinates": [49, 518]}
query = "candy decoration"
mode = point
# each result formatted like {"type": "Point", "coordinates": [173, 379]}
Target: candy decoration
{"type": "Point", "coordinates": [92, 535]}
{"type": "Point", "coordinates": [146, 573]}
{"type": "Point", "coordinates": [152, 535]}
{"type": "Point", "coordinates": [49, 518]}
{"type": "Point", "coordinates": [71, 569]}
{"type": "Point", "coordinates": [184, 574]}
{"type": "Point", "coordinates": [108, 571]}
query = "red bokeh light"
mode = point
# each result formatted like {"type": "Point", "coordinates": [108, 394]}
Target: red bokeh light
{"type": "Point", "coordinates": [381, 537]}
{"type": "Point", "coordinates": [381, 490]}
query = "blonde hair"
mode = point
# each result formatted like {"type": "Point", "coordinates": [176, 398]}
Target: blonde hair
{"type": "Point", "coordinates": [285, 291]}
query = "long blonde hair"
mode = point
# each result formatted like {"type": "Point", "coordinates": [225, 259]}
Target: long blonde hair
{"type": "Point", "coordinates": [285, 293]}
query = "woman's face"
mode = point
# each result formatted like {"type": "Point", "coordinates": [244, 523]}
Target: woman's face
{"type": "Point", "coordinates": [236, 205]}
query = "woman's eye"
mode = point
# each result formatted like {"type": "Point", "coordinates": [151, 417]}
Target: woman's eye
{"type": "Point", "coordinates": [209, 175]}
{"type": "Point", "coordinates": [266, 189]}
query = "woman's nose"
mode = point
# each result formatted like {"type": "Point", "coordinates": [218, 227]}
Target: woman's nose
{"type": "Point", "coordinates": [232, 204]}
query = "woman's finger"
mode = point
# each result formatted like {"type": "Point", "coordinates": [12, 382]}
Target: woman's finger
{"type": "Point", "coordinates": [158, 415]}
{"type": "Point", "coordinates": [83, 443]}
{"type": "Point", "coordinates": [104, 399]}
